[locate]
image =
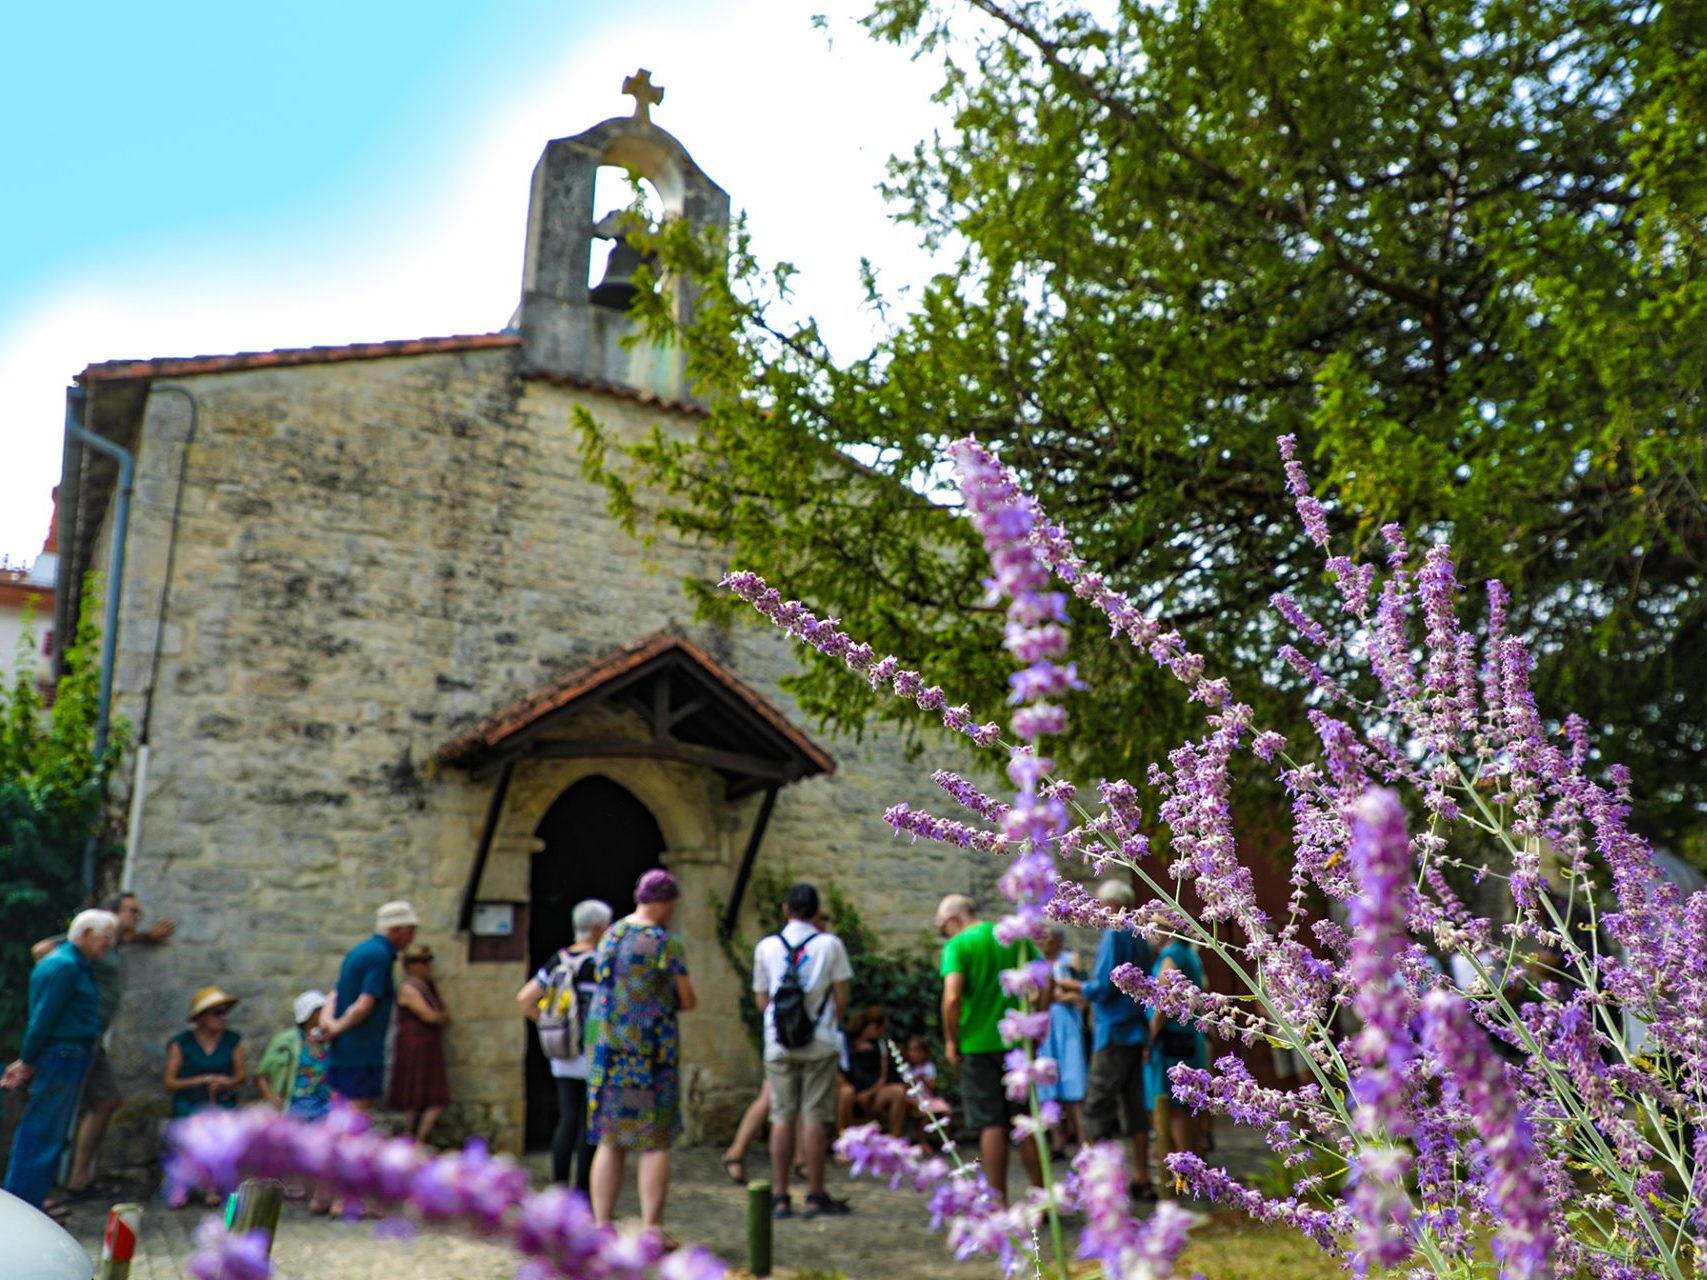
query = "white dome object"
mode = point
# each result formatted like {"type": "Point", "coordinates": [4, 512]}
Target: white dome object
{"type": "Point", "coordinates": [37, 1247]}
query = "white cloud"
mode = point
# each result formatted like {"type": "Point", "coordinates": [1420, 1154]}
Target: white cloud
{"type": "Point", "coordinates": [795, 123]}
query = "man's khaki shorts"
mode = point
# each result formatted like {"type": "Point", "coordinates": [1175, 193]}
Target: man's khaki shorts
{"type": "Point", "coordinates": [802, 1087]}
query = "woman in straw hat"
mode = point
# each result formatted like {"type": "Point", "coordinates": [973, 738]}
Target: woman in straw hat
{"type": "Point", "coordinates": [420, 1088]}
{"type": "Point", "coordinates": [204, 1065]}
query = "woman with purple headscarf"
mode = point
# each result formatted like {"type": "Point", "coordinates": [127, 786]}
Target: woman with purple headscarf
{"type": "Point", "coordinates": [633, 1091]}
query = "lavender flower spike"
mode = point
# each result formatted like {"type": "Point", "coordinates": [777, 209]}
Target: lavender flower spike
{"type": "Point", "coordinates": [1381, 859]}
{"type": "Point", "coordinates": [1515, 1184]}
{"type": "Point", "coordinates": [823, 635]}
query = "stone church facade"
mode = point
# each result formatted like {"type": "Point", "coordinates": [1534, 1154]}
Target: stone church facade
{"type": "Point", "coordinates": [378, 638]}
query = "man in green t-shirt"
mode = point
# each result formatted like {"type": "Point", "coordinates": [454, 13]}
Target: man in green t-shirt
{"type": "Point", "coordinates": [973, 1003]}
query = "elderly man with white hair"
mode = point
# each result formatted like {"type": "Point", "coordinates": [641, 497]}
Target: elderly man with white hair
{"type": "Point", "coordinates": [59, 1041]}
{"type": "Point", "coordinates": [1120, 1037]}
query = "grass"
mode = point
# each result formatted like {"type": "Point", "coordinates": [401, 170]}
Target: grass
{"type": "Point", "coordinates": [1230, 1247]}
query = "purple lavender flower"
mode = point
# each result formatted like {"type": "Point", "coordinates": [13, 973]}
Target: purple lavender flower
{"type": "Point", "coordinates": [1310, 512]}
{"type": "Point", "coordinates": [1514, 1182]}
{"type": "Point", "coordinates": [1024, 1073]}
{"type": "Point", "coordinates": [1017, 1025]}
{"type": "Point", "coordinates": [797, 621]}
{"type": "Point", "coordinates": [219, 1255]}
{"type": "Point", "coordinates": [1380, 855]}
{"type": "Point", "coordinates": [1126, 1246]}
{"type": "Point", "coordinates": [917, 823]}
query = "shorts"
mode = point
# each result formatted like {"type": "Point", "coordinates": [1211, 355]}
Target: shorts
{"type": "Point", "coordinates": [357, 1083]}
{"type": "Point", "coordinates": [802, 1087]}
{"type": "Point", "coordinates": [984, 1100]}
{"type": "Point", "coordinates": [1114, 1096]}
{"type": "Point", "coordinates": [100, 1083]}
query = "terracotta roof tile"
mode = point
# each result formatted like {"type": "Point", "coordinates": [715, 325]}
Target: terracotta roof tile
{"type": "Point", "coordinates": [492, 732]}
{"type": "Point", "coordinates": [176, 366]}
{"type": "Point", "coordinates": [184, 366]}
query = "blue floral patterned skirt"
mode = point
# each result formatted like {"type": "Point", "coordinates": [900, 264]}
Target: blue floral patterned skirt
{"type": "Point", "coordinates": [632, 1099]}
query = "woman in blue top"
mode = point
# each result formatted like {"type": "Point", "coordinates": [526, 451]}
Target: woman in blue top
{"type": "Point", "coordinates": [205, 1065]}
{"type": "Point", "coordinates": [1172, 1043]}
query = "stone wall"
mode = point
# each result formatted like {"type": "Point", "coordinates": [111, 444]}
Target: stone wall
{"type": "Point", "coordinates": [371, 556]}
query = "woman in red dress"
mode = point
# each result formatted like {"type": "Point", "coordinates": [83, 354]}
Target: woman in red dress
{"type": "Point", "coordinates": [419, 1088]}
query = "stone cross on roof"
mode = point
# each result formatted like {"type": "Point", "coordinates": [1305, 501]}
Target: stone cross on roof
{"type": "Point", "coordinates": [646, 95]}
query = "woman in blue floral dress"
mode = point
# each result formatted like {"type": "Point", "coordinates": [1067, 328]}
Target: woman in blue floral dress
{"type": "Point", "coordinates": [633, 1089]}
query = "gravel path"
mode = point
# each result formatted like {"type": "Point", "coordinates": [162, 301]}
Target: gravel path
{"type": "Point", "coordinates": [887, 1237]}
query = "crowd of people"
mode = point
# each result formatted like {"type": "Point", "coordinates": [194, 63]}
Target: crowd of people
{"type": "Point", "coordinates": [606, 1008]}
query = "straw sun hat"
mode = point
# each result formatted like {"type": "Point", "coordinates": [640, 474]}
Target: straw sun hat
{"type": "Point", "coordinates": [208, 999]}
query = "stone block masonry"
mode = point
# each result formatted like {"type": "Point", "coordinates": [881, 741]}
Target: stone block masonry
{"type": "Point", "coordinates": [371, 556]}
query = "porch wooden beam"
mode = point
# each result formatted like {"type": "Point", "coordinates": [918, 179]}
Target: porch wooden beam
{"type": "Point", "coordinates": [744, 872]}
{"type": "Point", "coordinates": [488, 829]}
{"type": "Point", "coordinates": [665, 749]}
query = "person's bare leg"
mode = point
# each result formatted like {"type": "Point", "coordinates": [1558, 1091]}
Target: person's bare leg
{"type": "Point", "coordinates": [993, 1151]}
{"type": "Point", "coordinates": [1182, 1129]}
{"type": "Point", "coordinates": [90, 1131]}
{"type": "Point", "coordinates": [844, 1106]}
{"type": "Point", "coordinates": [608, 1164]}
{"type": "Point", "coordinates": [365, 1107]}
{"type": "Point", "coordinates": [654, 1187]}
{"type": "Point", "coordinates": [782, 1154]}
{"type": "Point", "coordinates": [1073, 1123]}
{"type": "Point", "coordinates": [1164, 1146]}
{"type": "Point", "coordinates": [1032, 1161]}
{"type": "Point", "coordinates": [752, 1120]}
{"type": "Point", "coordinates": [815, 1145]}
{"type": "Point", "coordinates": [1141, 1157]}
{"type": "Point", "coordinates": [429, 1118]}
{"type": "Point", "coordinates": [894, 1100]}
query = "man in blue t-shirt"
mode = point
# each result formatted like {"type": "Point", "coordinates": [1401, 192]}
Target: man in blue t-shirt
{"type": "Point", "coordinates": [365, 996]}
{"type": "Point", "coordinates": [1114, 1094]}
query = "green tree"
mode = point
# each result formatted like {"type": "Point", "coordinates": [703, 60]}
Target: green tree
{"type": "Point", "coordinates": [51, 787]}
{"type": "Point", "coordinates": [1456, 247]}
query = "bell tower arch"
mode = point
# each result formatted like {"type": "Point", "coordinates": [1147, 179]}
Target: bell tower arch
{"type": "Point", "coordinates": [566, 330]}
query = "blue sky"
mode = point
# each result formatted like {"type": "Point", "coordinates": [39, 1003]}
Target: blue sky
{"type": "Point", "coordinates": [193, 178]}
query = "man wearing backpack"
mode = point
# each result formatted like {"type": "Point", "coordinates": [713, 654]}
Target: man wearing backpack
{"type": "Point", "coordinates": [800, 983]}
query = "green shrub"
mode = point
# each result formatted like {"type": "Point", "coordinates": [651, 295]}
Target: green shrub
{"type": "Point", "coordinates": [50, 804]}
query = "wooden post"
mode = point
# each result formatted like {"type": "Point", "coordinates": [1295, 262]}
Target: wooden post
{"type": "Point", "coordinates": [256, 1203]}
{"type": "Point", "coordinates": [759, 1228]}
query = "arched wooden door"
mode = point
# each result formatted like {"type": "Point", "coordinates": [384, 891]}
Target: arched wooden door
{"type": "Point", "coordinates": [598, 840]}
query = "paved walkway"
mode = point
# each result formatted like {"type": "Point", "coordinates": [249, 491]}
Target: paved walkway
{"type": "Point", "coordinates": [887, 1237]}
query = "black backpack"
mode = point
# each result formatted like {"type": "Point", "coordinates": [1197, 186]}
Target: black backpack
{"type": "Point", "coordinates": [793, 1025]}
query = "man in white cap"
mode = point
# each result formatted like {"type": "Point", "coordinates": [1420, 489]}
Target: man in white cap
{"type": "Point", "coordinates": [364, 998]}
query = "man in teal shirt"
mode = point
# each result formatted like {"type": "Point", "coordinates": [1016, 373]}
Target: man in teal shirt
{"type": "Point", "coordinates": [59, 1040]}
{"type": "Point", "coordinates": [365, 995]}
{"type": "Point", "coordinates": [973, 1003]}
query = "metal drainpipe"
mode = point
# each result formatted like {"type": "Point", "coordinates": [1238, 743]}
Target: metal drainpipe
{"type": "Point", "coordinates": [75, 398]}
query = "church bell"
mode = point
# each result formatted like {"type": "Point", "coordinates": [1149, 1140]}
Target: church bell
{"type": "Point", "coordinates": [617, 290]}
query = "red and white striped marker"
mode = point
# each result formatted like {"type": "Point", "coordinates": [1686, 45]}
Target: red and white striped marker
{"type": "Point", "coordinates": [118, 1245]}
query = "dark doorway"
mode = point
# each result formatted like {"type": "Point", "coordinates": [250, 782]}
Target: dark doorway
{"type": "Point", "coordinates": [598, 841]}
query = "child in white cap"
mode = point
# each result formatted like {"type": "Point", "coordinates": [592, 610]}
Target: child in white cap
{"type": "Point", "coordinates": [310, 1093]}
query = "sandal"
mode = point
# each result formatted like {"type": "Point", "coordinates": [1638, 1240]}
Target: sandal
{"type": "Point", "coordinates": [736, 1168]}
{"type": "Point", "coordinates": [58, 1210]}
{"type": "Point", "coordinates": [781, 1207]}
{"type": "Point", "coordinates": [826, 1206]}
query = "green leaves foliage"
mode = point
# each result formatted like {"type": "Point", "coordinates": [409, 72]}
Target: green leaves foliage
{"type": "Point", "coordinates": [1456, 247]}
{"type": "Point", "coordinates": [50, 803]}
